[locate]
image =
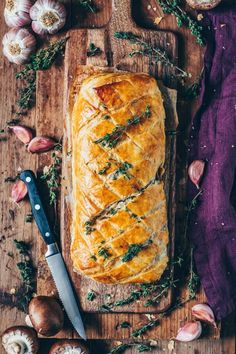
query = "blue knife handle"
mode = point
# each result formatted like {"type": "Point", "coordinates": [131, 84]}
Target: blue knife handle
{"type": "Point", "coordinates": [28, 177]}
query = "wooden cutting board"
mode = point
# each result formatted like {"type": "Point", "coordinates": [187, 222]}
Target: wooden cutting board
{"type": "Point", "coordinates": [52, 101]}
{"type": "Point", "coordinates": [104, 39]}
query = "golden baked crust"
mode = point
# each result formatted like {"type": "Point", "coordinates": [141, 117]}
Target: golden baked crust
{"type": "Point", "coordinates": [119, 229]}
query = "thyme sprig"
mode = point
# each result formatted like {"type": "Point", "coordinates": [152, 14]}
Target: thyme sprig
{"type": "Point", "coordinates": [52, 175]}
{"type": "Point", "coordinates": [146, 49]}
{"type": "Point", "coordinates": [88, 5]}
{"type": "Point", "coordinates": [140, 331]}
{"type": "Point", "coordinates": [122, 170]}
{"type": "Point", "coordinates": [134, 249]}
{"type": "Point", "coordinates": [183, 18]}
{"type": "Point", "coordinates": [42, 60]}
{"type": "Point", "coordinates": [27, 273]}
{"type": "Point", "coordinates": [110, 140]}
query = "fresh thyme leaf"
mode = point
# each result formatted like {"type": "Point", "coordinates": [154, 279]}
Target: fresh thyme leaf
{"type": "Point", "coordinates": [88, 5]}
{"type": "Point", "coordinates": [146, 49]}
{"type": "Point", "coordinates": [93, 257]}
{"type": "Point", "coordinates": [134, 249]}
{"type": "Point", "coordinates": [103, 252]}
{"type": "Point", "coordinates": [140, 331]}
{"type": "Point", "coordinates": [124, 324]}
{"type": "Point", "coordinates": [110, 140]}
{"type": "Point", "coordinates": [144, 348]}
{"type": "Point", "coordinates": [52, 175]}
{"type": "Point", "coordinates": [183, 18]}
{"type": "Point", "coordinates": [119, 349]}
{"type": "Point", "coordinates": [22, 247]}
{"type": "Point", "coordinates": [93, 50]}
{"type": "Point", "coordinates": [105, 169]}
{"type": "Point", "coordinates": [106, 117]}
{"type": "Point", "coordinates": [122, 170]}
{"type": "Point", "coordinates": [91, 296]}
{"type": "Point", "coordinates": [134, 296]}
{"type": "Point", "coordinates": [42, 60]}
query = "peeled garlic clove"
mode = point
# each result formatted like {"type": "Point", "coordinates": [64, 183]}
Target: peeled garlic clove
{"type": "Point", "coordinates": [190, 331]}
{"type": "Point", "coordinates": [24, 134]}
{"type": "Point", "coordinates": [195, 171]}
{"type": "Point", "coordinates": [48, 16]}
{"type": "Point", "coordinates": [16, 13]}
{"type": "Point", "coordinates": [41, 144]}
{"type": "Point", "coordinates": [19, 191]}
{"type": "Point", "coordinates": [204, 313]}
{"type": "Point", "coordinates": [18, 45]}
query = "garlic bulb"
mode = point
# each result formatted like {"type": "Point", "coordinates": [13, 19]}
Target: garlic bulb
{"type": "Point", "coordinates": [16, 13]}
{"type": "Point", "coordinates": [18, 45]}
{"type": "Point", "coordinates": [196, 171]}
{"type": "Point", "coordinates": [48, 16]}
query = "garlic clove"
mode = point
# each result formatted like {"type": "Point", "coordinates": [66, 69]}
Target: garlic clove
{"type": "Point", "coordinates": [204, 313]}
{"type": "Point", "coordinates": [195, 171]}
{"type": "Point", "coordinates": [16, 13]}
{"type": "Point", "coordinates": [24, 134]}
{"type": "Point", "coordinates": [41, 144]}
{"type": "Point", "coordinates": [19, 191]}
{"type": "Point", "coordinates": [190, 331]}
{"type": "Point", "coordinates": [48, 16]}
{"type": "Point", "coordinates": [18, 45]}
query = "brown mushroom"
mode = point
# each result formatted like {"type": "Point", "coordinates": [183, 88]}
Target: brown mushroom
{"type": "Point", "coordinates": [68, 347]}
{"type": "Point", "coordinates": [20, 340]}
{"type": "Point", "coordinates": [203, 4]}
{"type": "Point", "coordinates": [46, 315]}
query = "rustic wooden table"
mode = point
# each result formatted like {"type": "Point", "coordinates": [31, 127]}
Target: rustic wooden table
{"type": "Point", "coordinates": [44, 118]}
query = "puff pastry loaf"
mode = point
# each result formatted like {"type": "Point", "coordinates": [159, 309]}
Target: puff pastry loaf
{"type": "Point", "coordinates": [119, 229]}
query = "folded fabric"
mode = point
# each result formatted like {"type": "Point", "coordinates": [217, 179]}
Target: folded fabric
{"type": "Point", "coordinates": [212, 226]}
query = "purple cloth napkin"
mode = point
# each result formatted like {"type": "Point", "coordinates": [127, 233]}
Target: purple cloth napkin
{"type": "Point", "coordinates": [212, 227]}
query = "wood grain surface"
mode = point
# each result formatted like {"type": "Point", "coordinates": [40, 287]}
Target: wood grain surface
{"type": "Point", "coordinates": [47, 118]}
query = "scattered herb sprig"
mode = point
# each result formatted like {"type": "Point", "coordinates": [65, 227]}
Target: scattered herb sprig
{"type": "Point", "coordinates": [183, 18]}
{"type": "Point", "coordinates": [52, 175]}
{"type": "Point", "coordinates": [27, 273]}
{"type": "Point", "coordinates": [104, 169]}
{"type": "Point", "coordinates": [146, 49]}
{"type": "Point", "coordinates": [140, 331]}
{"type": "Point", "coordinates": [42, 60]}
{"type": "Point", "coordinates": [110, 140]}
{"type": "Point", "coordinates": [93, 50]}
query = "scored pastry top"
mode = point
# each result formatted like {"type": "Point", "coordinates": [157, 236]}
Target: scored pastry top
{"type": "Point", "coordinates": [119, 228]}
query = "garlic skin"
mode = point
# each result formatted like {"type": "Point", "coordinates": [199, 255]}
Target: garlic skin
{"type": "Point", "coordinates": [195, 172]}
{"type": "Point", "coordinates": [18, 45]}
{"type": "Point", "coordinates": [19, 191]}
{"type": "Point", "coordinates": [16, 13]}
{"type": "Point", "coordinates": [41, 144]}
{"type": "Point", "coordinates": [190, 331]}
{"type": "Point", "coordinates": [204, 313]}
{"type": "Point", "coordinates": [24, 134]}
{"type": "Point", "coordinates": [48, 16]}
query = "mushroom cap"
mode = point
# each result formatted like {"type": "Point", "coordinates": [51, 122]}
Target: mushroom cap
{"type": "Point", "coordinates": [68, 347]}
{"type": "Point", "coordinates": [203, 4]}
{"type": "Point", "coordinates": [20, 340]}
{"type": "Point", "coordinates": [46, 315]}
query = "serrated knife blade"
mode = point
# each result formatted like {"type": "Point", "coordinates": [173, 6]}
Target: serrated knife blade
{"type": "Point", "coordinates": [60, 276]}
{"type": "Point", "coordinates": [53, 256]}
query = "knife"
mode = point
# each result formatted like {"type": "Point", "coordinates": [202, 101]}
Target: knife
{"type": "Point", "coordinates": [53, 255]}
